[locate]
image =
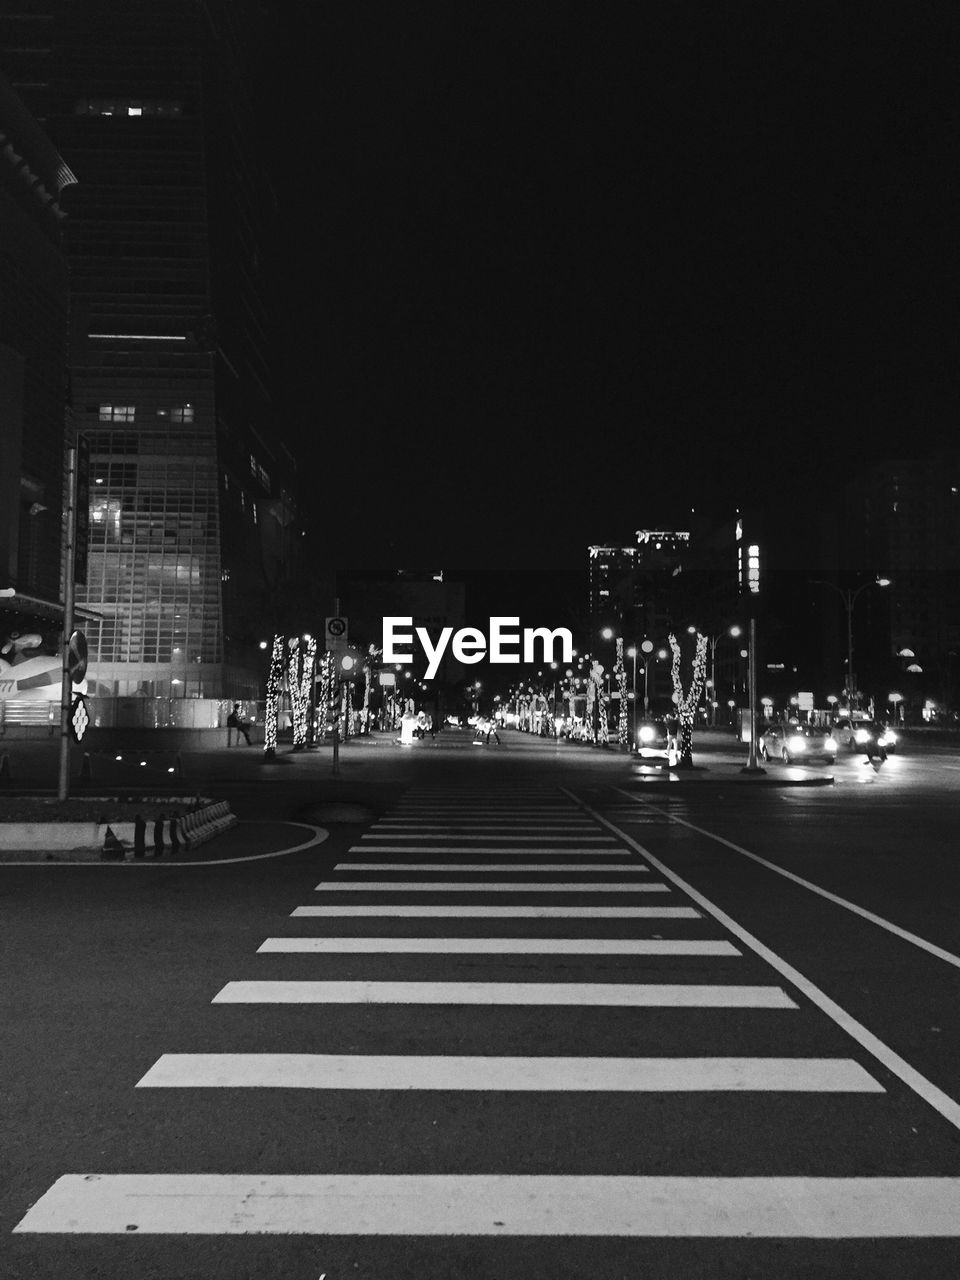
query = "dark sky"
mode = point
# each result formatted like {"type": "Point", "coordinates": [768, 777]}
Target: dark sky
{"type": "Point", "coordinates": [558, 272]}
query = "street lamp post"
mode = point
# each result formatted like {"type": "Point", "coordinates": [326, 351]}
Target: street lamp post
{"type": "Point", "coordinates": [849, 597]}
{"type": "Point", "coordinates": [753, 763]}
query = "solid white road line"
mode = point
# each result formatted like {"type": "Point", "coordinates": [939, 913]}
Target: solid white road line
{"type": "Point", "coordinates": [615, 1075]}
{"type": "Point", "coordinates": [481, 886]}
{"type": "Point", "coordinates": [924, 1088]}
{"type": "Point", "coordinates": [498, 1205]}
{"type": "Point", "coordinates": [503, 913]}
{"type": "Point", "coordinates": [930, 947]}
{"type": "Point", "coordinates": [592, 994]}
{"type": "Point", "coordinates": [627, 863]}
{"type": "Point", "coordinates": [492, 866]}
{"type": "Point", "coordinates": [503, 946]}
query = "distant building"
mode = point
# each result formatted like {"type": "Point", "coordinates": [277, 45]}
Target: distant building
{"type": "Point", "coordinates": [192, 511]}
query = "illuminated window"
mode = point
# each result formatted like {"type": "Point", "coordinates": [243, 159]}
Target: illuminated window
{"type": "Point", "coordinates": [117, 412]}
{"type": "Point", "coordinates": [182, 413]}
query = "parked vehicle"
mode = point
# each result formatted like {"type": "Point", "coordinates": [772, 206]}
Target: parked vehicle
{"type": "Point", "coordinates": [790, 742]}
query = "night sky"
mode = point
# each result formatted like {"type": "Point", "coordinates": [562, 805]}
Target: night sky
{"type": "Point", "coordinates": [557, 272]}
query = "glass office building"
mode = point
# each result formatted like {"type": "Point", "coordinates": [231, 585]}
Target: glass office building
{"type": "Point", "coordinates": [191, 510]}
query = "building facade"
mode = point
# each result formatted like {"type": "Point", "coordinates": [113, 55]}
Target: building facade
{"type": "Point", "coordinates": [902, 521]}
{"type": "Point", "coordinates": [192, 507]}
{"type": "Point", "coordinates": [34, 422]}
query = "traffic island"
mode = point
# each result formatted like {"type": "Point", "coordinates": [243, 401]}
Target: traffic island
{"type": "Point", "coordinates": [106, 828]}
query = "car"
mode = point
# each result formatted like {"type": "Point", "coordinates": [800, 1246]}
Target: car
{"type": "Point", "coordinates": [853, 732]}
{"type": "Point", "coordinates": [789, 741]}
{"type": "Point", "coordinates": [657, 739]}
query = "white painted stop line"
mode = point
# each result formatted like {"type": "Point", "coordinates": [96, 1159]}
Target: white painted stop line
{"type": "Point", "coordinates": [498, 1205]}
{"type": "Point", "coordinates": [483, 886]}
{"type": "Point", "coordinates": [503, 946]}
{"type": "Point", "coordinates": [505, 1074]}
{"type": "Point", "coordinates": [590, 994]}
{"type": "Point", "coordinates": [504, 913]}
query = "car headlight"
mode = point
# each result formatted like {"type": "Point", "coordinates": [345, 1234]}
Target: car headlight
{"type": "Point", "coordinates": [830, 744]}
{"type": "Point", "coordinates": [888, 738]}
{"type": "Point", "coordinates": [647, 733]}
{"type": "Point", "coordinates": [797, 744]}
{"type": "Point", "coordinates": [862, 736]}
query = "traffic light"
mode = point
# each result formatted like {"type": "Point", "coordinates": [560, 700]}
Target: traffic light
{"type": "Point", "coordinates": [348, 665]}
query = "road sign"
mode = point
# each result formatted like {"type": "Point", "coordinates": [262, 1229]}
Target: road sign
{"type": "Point", "coordinates": [387, 678]}
{"type": "Point", "coordinates": [79, 718]}
{"type": "Point", "coordinates": [805, 700]}
{"type": "Point", "coordinates": [77, 656]}
{"type": "Point", "coordinates": [335, 634]}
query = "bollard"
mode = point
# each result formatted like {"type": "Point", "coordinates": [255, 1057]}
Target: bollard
{"type": "Point", "coordinates": [158, 837]}
{"type": "Point", "coordinates": [4, 768]}
{"type": "Point", "coordinates": [86, 768]}
{"type": "Point", "coordinates": [139, 836]}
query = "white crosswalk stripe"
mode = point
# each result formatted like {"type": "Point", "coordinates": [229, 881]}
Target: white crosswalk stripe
{"type": "Point", "coordinates": [483, 886]}
{"type": "Point", "coordinates": [498, 1205]}
{"type": "Point", "coordinates": [504, 946]}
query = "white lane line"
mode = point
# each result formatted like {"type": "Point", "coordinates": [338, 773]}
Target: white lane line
{"type": "Point", "coordinates": [502, 946]}
{"type": "Point", "coordinates": [508, 913]}
{"type": "Point", "coordinates": [924, 1088]}
{"type": "Point", "coordinates": [498, 1205]}
{"type": "Point", "coordinates": [603, 852]}
{"type": "Point", "coordinates": [930, 947]}
{"type": "Point", "coordinates": [481, 886]}
{"type": "Point", "coordinates": [615, 1075]}
{"type": "Point", "coordinates": [492, 866]}
{"type": "Point", "coordinates": [631, 995]}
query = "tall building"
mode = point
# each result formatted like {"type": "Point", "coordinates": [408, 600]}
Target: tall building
{"type": "Point", "coordinates": [902, 521]}
{"type": "Point", "coordinates": [33, 407]}
{"type": "Point", "coordinates": [192, 509]}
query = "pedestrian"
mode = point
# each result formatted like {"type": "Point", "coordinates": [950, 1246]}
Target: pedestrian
{"type": "Point", "coordinates": [492, 728]}
{"type": "Point", "coordinates": [482, 731]}
{"type": "Point", "coordinates": [234, 722]}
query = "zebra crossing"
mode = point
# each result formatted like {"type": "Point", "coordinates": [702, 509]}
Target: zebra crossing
{"type": "Point", "coordinates": [673, 963]}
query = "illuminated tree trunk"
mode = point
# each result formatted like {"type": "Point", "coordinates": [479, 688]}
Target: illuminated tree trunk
{"type": "Point", "coordinates": [687, 703]}
{"type": "Point", "coordinates": [274, 689]}
{"type": "Point", "coordinates": [620, 671]}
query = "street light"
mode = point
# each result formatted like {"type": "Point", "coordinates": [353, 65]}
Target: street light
{"type": "Point", "coordinates": [849, 598]}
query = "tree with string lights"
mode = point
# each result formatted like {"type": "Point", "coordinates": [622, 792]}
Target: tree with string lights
{"type": "Point", "coordinates": [686, 703]}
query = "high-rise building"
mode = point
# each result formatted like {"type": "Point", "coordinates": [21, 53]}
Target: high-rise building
{"type": "Point", "coordinates": [33, 410]}
{"type": "Point", "coordinates": [902, 521]}
{"type": "Point", "coordinates": [192, 508]}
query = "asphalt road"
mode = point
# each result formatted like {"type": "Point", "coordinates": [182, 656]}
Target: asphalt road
{"type": "Point", "coordinates": [524, 1016]}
